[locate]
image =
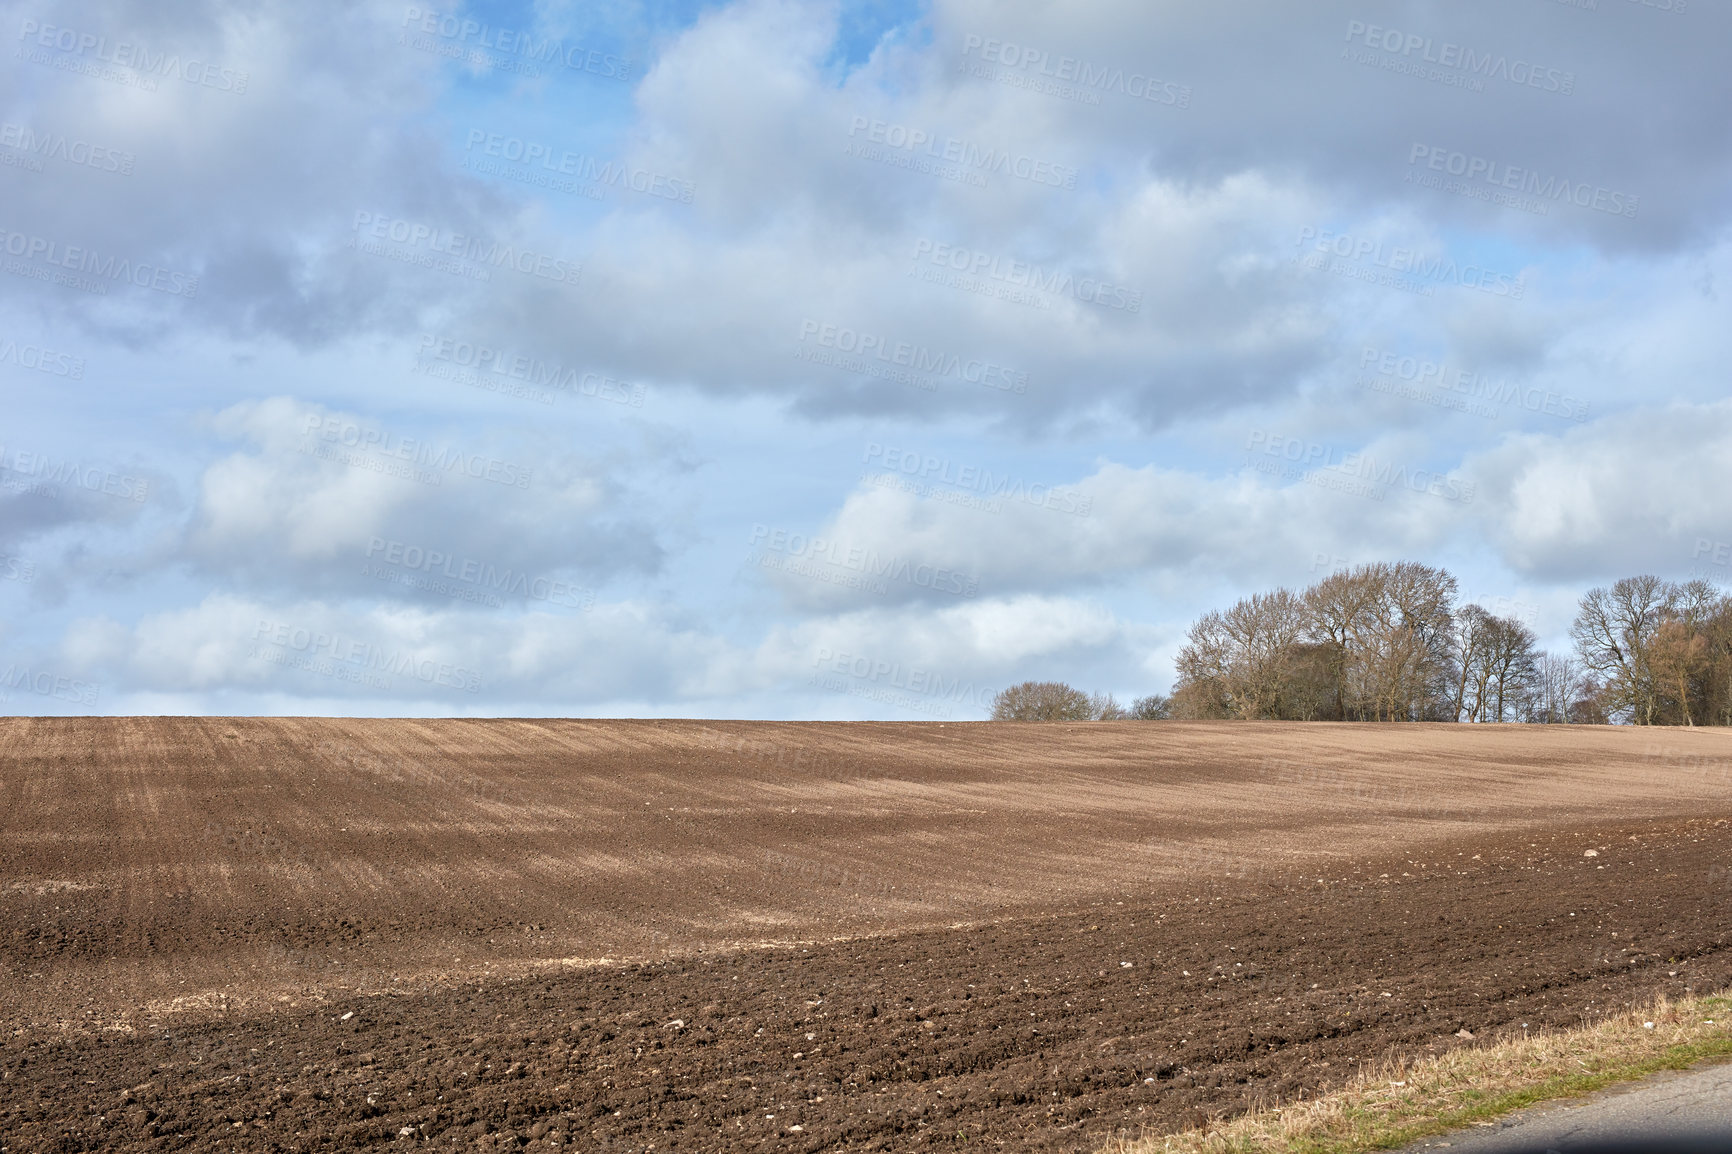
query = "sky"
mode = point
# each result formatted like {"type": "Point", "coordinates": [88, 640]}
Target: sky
{"type": "Point", "coordinates": [814, 360]}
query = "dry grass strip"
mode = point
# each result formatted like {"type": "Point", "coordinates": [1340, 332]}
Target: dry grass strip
{"type": "Point", "coordinates": [1406, 1100]}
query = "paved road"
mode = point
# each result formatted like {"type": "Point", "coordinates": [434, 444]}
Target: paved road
{"type": "Point", "coordinates": [1686, 1111]}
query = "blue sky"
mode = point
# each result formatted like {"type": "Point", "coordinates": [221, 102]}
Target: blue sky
{"type": "Point", "coordinates": [813, 360]}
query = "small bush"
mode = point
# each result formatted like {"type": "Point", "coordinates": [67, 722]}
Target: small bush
{"type": "Point", "coordinates": [1042, 701]}
{"type": "Point", "coordinates": [1154, 707]}
{"type": "Point", "coordinates": [1104, 707]}
{"type": "Point", "coordinates": [1056, 701]}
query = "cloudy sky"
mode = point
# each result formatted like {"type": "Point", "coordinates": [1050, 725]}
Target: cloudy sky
{"type": "Point", "coordinates": [813, 360]}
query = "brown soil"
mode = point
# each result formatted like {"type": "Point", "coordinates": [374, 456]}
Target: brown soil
{"type": "Point", "coordinates": [317, 934]}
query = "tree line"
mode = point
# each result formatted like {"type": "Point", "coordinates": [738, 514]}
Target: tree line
{"type": "Point", "coordinates": [1387, 642]}
{"type": "Point", "coordinates": [1056, 701]}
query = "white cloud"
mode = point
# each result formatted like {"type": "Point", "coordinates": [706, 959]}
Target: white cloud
{"type": "Point", "coordinates": [327, 499]}
{"type": "Point", "coordinates": [611, 653]}
{"type": "Point", "coordinates": [1116, 526]}
{"type": "Point", "coordinates": [1621, 495]}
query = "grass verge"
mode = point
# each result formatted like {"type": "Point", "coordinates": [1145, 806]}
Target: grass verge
{"type": "Point", "coordinates": [1407, 1100]}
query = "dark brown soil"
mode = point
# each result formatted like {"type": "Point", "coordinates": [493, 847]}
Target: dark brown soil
{"type": "Point", "coordinates": [1018, 1027]}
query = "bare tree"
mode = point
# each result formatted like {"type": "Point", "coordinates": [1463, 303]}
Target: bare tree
{"type": "Point", "coordinates": [1678, 658]}
{"type": "Point", "coordinates": [1204, 666]}
{"type": "Point", "coordinates": [1154, 707]}
{"type": "Point", "coordinates": [1591, 705]}
{"type": "Point", "coordinates": [1263, 628]}
{"type": "Point", "coordinates": [1385, 633]}
{"type": "Point", "coordinates": [1198, 700]}
{"type": "Point", "coordinates": [1614, 633]}
{"type": "Point", "coordinates": [1241, 660]}
{"type": "Point", "coordinates": [1717, 679]}
{"type": "Point", "coordinates": [1405, 651]}
{"type": "Point", "coordinates": [1338, 617]}
{"type": "Point", "coordinates": [1557, 685]}
{"type": "Point", "coordinates": [1042, 701]}
{"type": "Point", "coordinates": [1473, 628]}
{"type": "Point", "coordinates": [1510, 656]}
{"type": "Point", "coordinates": [1105, 707]}
{"type": "Point", "coordinates": [1309, 694]}
{"type": "Point", "coordinates": [1684, 652]}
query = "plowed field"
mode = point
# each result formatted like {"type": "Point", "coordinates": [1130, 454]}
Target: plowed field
{"type": "Point", "coordinates": [300, 934]}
